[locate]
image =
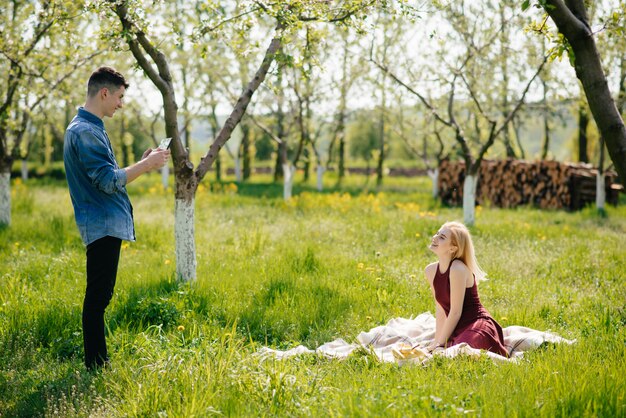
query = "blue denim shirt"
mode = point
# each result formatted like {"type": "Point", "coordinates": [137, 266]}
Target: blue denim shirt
{"type": "Point", "coordinates": [97, 184]}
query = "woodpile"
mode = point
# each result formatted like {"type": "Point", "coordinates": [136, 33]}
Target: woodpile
{"type": "Point", "coordinates": [511, 183]}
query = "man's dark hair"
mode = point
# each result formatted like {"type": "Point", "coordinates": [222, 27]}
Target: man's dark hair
{"type": "Point", "coordinates": [105, 77]}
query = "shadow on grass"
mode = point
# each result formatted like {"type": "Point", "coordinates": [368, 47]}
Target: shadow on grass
{"type": "Point", "coordinates": [163, 303]}
{"type": "Point", "coordinates": [41, 360]}
{"type": "Point", "coordinates": [155, 303]}
{"type": "Point", "coordinates": [286, 312]}
{"type": "Point", "coordinates": [275, 190]}
{"type": "Point", "coordinates": [38, 394]}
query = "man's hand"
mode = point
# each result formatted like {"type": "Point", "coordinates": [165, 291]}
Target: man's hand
{"type": "Point", "coordinates": [146, 153]}
{"type": "Point", "coordinates": [152, 159]}
{"type": "Point", "coordinates": [155, 158]}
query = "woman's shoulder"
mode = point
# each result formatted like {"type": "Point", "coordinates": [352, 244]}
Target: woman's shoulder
{"type": "Point", "coordinates": [459, 266]}
{"type": "Point", "coordinates": [430, 271]}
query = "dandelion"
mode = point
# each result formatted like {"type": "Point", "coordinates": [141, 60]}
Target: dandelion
{"type": "Point", "coordinates": [504, 318]}
{"type": "Point", "coordinates": [17, 244]}
{"type": "Point", "coordinates": [412, 276]}
{"type": "Point", "coordinates": [417, 235]}
{"type": "Point", "coordinates": [369, 318]}
{"type": "Point", "coordinates": [181, 328]}
{"type": "Point", "coordinates": [360, 266]}
{"type": "Point", "coordinates": [167, 262]}
{"type": "Point", "coordinates": [124, 246]}
{"type": "Point", "coordinates": [378, 279]}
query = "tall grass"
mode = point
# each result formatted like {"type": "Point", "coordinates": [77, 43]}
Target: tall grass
{"type": "Point", "coordinates": [320, 267]}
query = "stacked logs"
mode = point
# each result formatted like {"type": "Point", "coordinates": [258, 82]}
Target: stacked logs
{"type": "Point", "coordinates": [511, 183]}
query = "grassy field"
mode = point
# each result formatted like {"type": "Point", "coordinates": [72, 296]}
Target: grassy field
{"type": "Point", "coordinates": [320, 267]}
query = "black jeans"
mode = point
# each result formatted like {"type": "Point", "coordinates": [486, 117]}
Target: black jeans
{"type": "Point", "coordinates": [102, 258]}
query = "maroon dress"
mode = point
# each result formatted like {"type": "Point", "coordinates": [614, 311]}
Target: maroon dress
{"type": "Point", "coordinates": [476, 327]}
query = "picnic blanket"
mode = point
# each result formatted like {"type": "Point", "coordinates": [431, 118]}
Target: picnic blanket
{"type": "Point", "coordinates": [404, 340]}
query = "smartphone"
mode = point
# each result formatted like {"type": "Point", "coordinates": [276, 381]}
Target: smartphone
{"type": "Point", "coordinates": [165, 143]}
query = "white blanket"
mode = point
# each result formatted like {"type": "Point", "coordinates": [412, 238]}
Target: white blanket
{"type": "Point", "coordinates": [403, 341]}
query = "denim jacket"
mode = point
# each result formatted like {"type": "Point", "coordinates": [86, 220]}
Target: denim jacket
{"type": "Point", "coordinates": [97, 184]}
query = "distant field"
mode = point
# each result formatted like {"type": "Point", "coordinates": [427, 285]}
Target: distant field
{"type": "Point", "coordinates": [282, 274]}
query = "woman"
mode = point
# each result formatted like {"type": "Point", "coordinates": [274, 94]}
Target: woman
{"type": "Point", "coordinates": [460, 317]}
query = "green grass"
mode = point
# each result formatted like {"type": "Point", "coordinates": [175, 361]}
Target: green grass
{"type": "Point", "coordinates": [283, 274]}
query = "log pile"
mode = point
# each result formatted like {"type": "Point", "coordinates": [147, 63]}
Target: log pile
{"type": "Point", "coordinates": [511, 183]}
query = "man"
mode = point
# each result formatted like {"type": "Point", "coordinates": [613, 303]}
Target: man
{"type": "Point", "coordinates": [102, 208]}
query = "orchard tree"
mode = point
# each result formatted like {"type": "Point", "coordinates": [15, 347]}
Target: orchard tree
{"type": "Point", "coordinates": [572, 20]}
{"type": "Point", "coordinates": [135, 31]}
{"type": "Point", "coordinates": [344, 81]}
{"type": "Point", "coordinates": [36, 57]}
{"type": "Point", "coordinates": [472, 108]}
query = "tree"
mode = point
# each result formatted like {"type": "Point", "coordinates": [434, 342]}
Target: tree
{"type": "Point", "coordinates": [155, 64]}
{"type": "Point", "coordinates": [480, 120]}
{"type": "Point", "coordinates": [345, 80]}
{"type": "Point", "coordinates": [34, 43]}
{"type": "Point", "coordinates": [571, 19]}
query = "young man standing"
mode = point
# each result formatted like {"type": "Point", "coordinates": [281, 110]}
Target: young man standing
{"type": "Point", "coordinates": [102, 208]}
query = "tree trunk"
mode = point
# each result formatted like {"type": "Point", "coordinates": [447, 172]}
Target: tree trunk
{"type": "Point", "coordinates": [288, 174]}
{"type": "Point", "coordinates": [583, 122]}
{"type": "Point", "coordinates": [5, 196]}
{"type": "Point", "coordinates": [185, 238]}
{"type": "Point", "coordinates": [218, 167]}
{"type": "Point", "coordinates": [278, 166]}
{"type": "Point", "coordinates": [320, 177]}
{"type": "Point", "coordinates": [434, 176]}
{"type": "Point", "coordinates": [245, 150]}
{"type": "Point", "coordinates": [237, 160]}
{"type": "Point", "coordinates": [122, 139]}
{"type": "Point", "coordinates": [469, 199]}
{"type": "Point", "coordinates": [342, 159]}
{"type": "Point", "coordinates": [381, 153]}
{"type": "Point", "coordinates": [165, 176]}
{"type": "Point", "coordinates": [545, 147]}
{"type": "Point", "coordinates": [518, 140]}
{"type": "Point", "coordinates": [24, 170]}
{"type": "Point", "coordinates": [600, 188]}
{"type": "Point", "coordinates": [572, 21]}
{"type": "Point", "coordinates": [307, 164]}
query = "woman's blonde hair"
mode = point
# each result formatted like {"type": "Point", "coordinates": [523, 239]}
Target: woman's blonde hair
{"type": "Point", "coordinates": [460, 237]}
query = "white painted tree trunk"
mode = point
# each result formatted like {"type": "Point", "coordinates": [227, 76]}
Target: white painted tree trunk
{"type": "Point", "coordinates": [320, 177]}
{"type": "Point", "coordinates": [185, 239]}
{"type": "Point", "coordinates": [288, 174]}
{"type": "Point", "coordinates": [24, 170]}
{"type": "Point", "coordinates": [238, 175]}
{"type": "Point", "coordinates": [434, 176]}
{"type": "Point", "coordinates": [469, 200]}
{"type": "Point", "coordinates": [600, 191]}
{"type": "Point", "coordinates": [5, 198]}
{"type": "Point", "coordinates": [165, 176]}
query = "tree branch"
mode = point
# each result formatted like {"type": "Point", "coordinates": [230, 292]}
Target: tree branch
{"type": "Point", "coordinates": [139, 39]}
{"type": "Point", "coordinates": [242, 103]}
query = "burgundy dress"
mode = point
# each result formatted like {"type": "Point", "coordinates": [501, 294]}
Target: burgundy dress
{"type": "Point", "coordinates": [476, 327]}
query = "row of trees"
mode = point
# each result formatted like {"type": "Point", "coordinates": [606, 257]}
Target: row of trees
{"type": "Point", "coordinates": [296, 71]}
